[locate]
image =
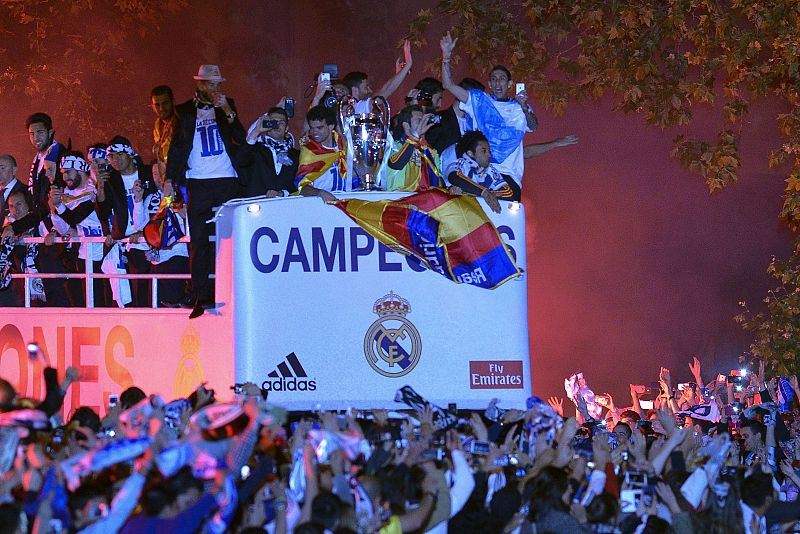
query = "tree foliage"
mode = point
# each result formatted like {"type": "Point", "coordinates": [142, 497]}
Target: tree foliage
{"type": "Point", "coordinates": [48, 40]}
{"type": "Point", "coordinates": [659, 59]}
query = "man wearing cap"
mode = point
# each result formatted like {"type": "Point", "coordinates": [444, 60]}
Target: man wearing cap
{"type": "Point", "coordinates": [119, 204]}
{"type": "Point", "coordinates": [202, 155]}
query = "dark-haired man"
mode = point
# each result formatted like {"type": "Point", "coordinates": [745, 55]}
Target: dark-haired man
{"type": "Point", "coordinates": [163, 104]}
{"type": "Point", "coordinates": [48, 153]}
{"type": "Point", "coordinates": [323, 158]}
{"type": "Point", "coordinates": [503, 120]}
{"type": "Point", "coordinates": [427, 93]}
{"type": "Point", "coordinates": [475, 174]}
{"type": "Point", "coordinates": [758, 496]}
{"type": "Point", "coordinates": [127, 172]}
{"type": "Point", "coordinates": [452, 124]}
{"type": "Point", "coordinates": [361, 88]}
{"type": "Point", "coordinates": [753, 434]}
{"type": "Point", "coordinates": [202, 156]}
{"type": "Point", "coordinates": [74, 210]}
{"type": "Point", "coordinates": [268, 162]}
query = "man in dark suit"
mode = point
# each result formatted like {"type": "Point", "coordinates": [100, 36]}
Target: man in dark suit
{"type": "Point", "coordinates": [127, 174]}
{"type": "Point", "coordinates": [8, 183]}
{"type": "Point", "coordinates": [268, 162]}
{"type": "Point", "coordinates": [202, 155]}
{"type": "Point", "coordinates": [48, 154]}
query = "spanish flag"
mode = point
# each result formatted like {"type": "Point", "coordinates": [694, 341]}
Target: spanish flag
{"type": "Point", "coordinates": [449, 234]}
{"type": "Point", "coordinates": [164, 229]}
{"type": "Point", "coordinates": [315, 160]}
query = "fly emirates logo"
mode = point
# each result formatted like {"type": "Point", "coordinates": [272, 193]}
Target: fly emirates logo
{"type": "Point", "coordinates": [506, 374]}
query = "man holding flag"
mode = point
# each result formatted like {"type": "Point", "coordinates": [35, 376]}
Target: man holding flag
{"type": "Point", "coordinates": [503, 120]}
{"type": "Point", "coordinates": [323, 158]}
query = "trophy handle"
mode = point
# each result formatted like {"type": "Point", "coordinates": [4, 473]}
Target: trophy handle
{"type": "Point", "coordinates": [347, 109]}
{"type": "Point", "coordinates": [381, 107]}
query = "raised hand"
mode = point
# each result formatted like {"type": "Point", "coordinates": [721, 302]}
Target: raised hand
{"type": "Point", "coordinates": [478, 428]}
{"type": "Point", "coordinates": [557, 404]}
{"type": "Point", "coordinates": [694, 367]}
{"type": "Point", "coordinates": [667, 497]}
{"type": "Point", "coordinates": [447, 44]}
{"type": "Point", "coordinates": [664, 379]}
{"type": "Point", "coordinates": [667, 419]}
{"type": "Point", "coordinates": [601, 450]}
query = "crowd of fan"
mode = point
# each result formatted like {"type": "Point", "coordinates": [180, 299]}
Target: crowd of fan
{"type": "Point", "coordinates": [245, 465]}
{"type": "Point", "coordinates": [202, 153]}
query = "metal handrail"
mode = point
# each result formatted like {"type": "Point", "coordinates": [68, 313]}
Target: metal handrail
{"type": "Point", "coordinates": [90, 274]}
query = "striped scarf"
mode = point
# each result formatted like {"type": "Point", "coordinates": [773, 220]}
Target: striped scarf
{"type": "Point", "coordinates": [28, 265]}
{"type": "Point", "coordinates": [488, 178]}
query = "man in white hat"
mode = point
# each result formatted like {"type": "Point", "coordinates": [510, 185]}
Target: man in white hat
{"type": "Point", "coordinates": [202, 157]}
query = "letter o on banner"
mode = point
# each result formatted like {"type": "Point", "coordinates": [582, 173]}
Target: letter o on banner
{"type": "Point", "coordinates": [11, 338]}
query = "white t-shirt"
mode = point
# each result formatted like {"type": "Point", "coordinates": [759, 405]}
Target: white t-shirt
{"type": "Point", "coordinates": [333, 180]}
{"type": "Point", "coordinates": [88, 227]}
{"type": "Point", "coordinates": [208, 158]}
{"type": "Point", "coordinates": [363, 107]}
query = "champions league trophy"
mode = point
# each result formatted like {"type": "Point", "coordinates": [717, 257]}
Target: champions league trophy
{"type": "Point", "coordinates": [366, 135]}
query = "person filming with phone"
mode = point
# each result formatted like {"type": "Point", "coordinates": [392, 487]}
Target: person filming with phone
{"type": "Point", "coordinates": [503, 119]}
{"type": "Point", "coordinates": [268, 162]}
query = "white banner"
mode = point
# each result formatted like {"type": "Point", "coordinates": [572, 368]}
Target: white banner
{"type": "Point", "coordinates": [159, 351]}
{"type": "Point", "coordinates": [326, 316]}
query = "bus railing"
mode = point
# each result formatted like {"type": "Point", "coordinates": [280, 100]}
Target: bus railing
{"type": "Point", "coordinates": [89, 273]}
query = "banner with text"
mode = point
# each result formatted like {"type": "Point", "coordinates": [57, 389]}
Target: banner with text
{"type": "Point", "coordinates": [159, 351]}
{"type": "Point", "coordinates": [326, 316]}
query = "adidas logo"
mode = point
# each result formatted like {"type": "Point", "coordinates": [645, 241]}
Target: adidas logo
{"type": "Point", "coordinates": [291, 377]}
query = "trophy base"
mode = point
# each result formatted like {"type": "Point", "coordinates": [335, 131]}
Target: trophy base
{"type": "Point", "coordinates": [366, 189]}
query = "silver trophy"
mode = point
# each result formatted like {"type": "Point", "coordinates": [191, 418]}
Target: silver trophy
{"type": "Point", "coordinates": [367, 135]}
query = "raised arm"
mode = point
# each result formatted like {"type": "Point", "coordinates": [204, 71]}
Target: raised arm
{"type": "Point", "coordinates": [394, 82]}
{"type": "Point", "coordinates": [448, 44]}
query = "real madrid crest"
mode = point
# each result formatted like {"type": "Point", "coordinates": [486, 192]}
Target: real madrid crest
{"type": "Point", "coordinates": [392, 344]}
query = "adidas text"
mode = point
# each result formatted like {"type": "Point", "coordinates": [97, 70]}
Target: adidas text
{"type": "Point", "coordinates": [289, 384]}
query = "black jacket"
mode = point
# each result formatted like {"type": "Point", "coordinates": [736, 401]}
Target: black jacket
{"type": "Point", "coordinates": [233, 135]}
{"type": "Point", "coordinates": [256, 168]}
{"type": "Point", "coordinates": [446, 133]}
{"type": "Point", "coordinates": [115, 204]}
{"type": "Point", "coordinates": [40, 192]}
{"type": "Point", "coordinates": [17, 187]}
